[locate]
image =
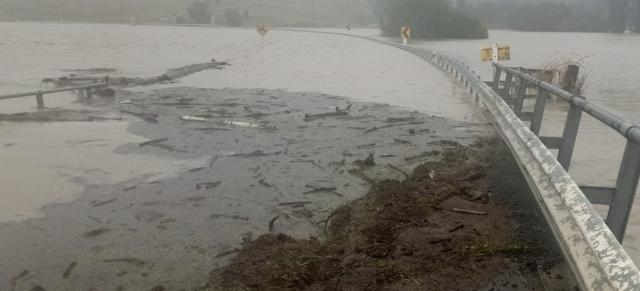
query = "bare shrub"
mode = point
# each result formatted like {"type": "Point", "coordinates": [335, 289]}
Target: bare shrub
{"type": "Point", "coordinates": [561, 63]}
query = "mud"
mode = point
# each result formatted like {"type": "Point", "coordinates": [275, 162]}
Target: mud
{"type": "Point", "coordinates": [288, 175]}
{"type": "Point", "coordinates": [430, 231]}
{"type": "Point", "coordinates": [184, 225]}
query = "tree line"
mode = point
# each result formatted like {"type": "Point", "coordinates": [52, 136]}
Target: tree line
{"type": "Point", "coordinates": [427, 19]}
{"type": "Point", "coordinates": [442, 19]}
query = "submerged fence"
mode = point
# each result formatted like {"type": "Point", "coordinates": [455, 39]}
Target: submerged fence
{"type": "Point", "coordinates": [40, 94]}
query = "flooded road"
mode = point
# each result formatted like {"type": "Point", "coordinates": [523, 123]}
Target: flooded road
{"type": "Point", "coordinates": [115, 219]}
{"type": "Point", "coordinates": [291, 61]}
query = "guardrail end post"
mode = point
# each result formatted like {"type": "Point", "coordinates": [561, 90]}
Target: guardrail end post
{"type": "Point", "coordinates": [626, 186]}
{"type": "Point", "coordinates": [569, 136]}
{"type": "Point", "coordinates": [40, 100]}
{"type": "Point", "coordinates": [89, 93]}
{"type": "Point", "coordinates": [106, 80]}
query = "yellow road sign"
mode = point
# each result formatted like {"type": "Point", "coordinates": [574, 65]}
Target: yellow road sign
{"type": "Point", "coordinates": [486, 54]}
{"type": "Point", "coordinates": [495, 53]}
{"type": "Point", "coordinates": [504, 53]}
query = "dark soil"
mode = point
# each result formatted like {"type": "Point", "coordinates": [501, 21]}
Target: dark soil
{"type": "Point", "coordinates": [440, 229]}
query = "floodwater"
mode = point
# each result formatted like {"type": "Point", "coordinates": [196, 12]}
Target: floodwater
{"type": "Point", "coordinates": [292, 61]}
{"type": "Point", "coordinates": [44, 163]}
{"type": "Point", "coordinates": [285, 60]}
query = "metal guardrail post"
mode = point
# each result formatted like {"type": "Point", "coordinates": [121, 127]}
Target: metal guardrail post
{"type": "Point", "coordinates": [572, 125]}
{"type": "Point", "coordinates": [538, 111]}
{"type": "Point", "coordinates": [507, 85]}
{"type": "Point", "coordinates": [626, 186]}
{"type": "Point", "coordinates": [89, 93]}
{"type": "Point", "coordinates": [519, 96]}
{"type": "Point", "coordinates": [496, 79]}
{"type": "Point", "coordinates": [40, 100]}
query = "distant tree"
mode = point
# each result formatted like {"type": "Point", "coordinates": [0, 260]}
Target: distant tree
{"type": "Point", "coordinates": [233, 17]}
{"type": "Point", "coordinates": [584, 23]}
{"type": "Point", "coordinates": [427, 18]}
{"type": "Point", "coordinates": [636, 17]}
{"type": "Point", "coordinates": [494, 14]}
{"type": "Point", "coordinates": [540, 17]}
{"type": "Point", "coordinates": [199, 11]}
{"type": "Point", "coordinates": [181, 20]}
{"type": "Point", "coordinates": [582, 16]}
{"type": "Point", "coordinates": [618, 15]}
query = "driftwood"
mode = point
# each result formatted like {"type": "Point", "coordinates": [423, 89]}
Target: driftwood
{"type": "Point", "coordinates": [207, 185]}
{"type": "Point", "coordinates": [338, 112]}
{"type": "Point", "coordinates": [104, 202]}
{"type": "Point", "coordinates": [148, 117]}
{"type": "Point", "coordinates": [153, 142]}
{"type": "Point", "coordinates": [272, 222]}
{"type": "Point", "coordinates": [399, 170]}
{"type": "Point", "coordinates": [67, 271]}
{"type": "Point", "coordinates": [130, 261]}
{"type": "Point", "coordinates": [391, 125]}
{"type": "Point", "coordinates": [400, 119]}
{"type": "Point", "coordinates": [96, 232]}
{"type": "Point", "coordinates": [295, 203]}
{"type": "Point", "coordinates": [319, 189]}
{"type": "Point", "coordinates": [472, 212]}
{"type": "Point", "coordinates": [224, 254]}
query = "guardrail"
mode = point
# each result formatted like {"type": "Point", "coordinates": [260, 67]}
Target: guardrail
{"type": "Point", "coordinates": [40, 94]}
{"type": "Point", "coordinates": [619, 199]}
{"type": "Point", "coordinates": [592, 252]}
{"type": "Point", "coordinates": [596, 258]}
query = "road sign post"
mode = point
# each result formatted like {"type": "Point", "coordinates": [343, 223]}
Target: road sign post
{"type": "Point", "coordinates": [494, 54]}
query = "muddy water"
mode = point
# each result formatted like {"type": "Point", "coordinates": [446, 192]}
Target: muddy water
{"type": "Point", "coordinates": [44, 163]}
{"type": "Point", "coordinates": [288, 60]}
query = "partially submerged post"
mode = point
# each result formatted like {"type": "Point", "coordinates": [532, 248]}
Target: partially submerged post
{"type": "Point", "coordinates": [570, 81]}
{"type": "Point", "coordinates": [40, 100]}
